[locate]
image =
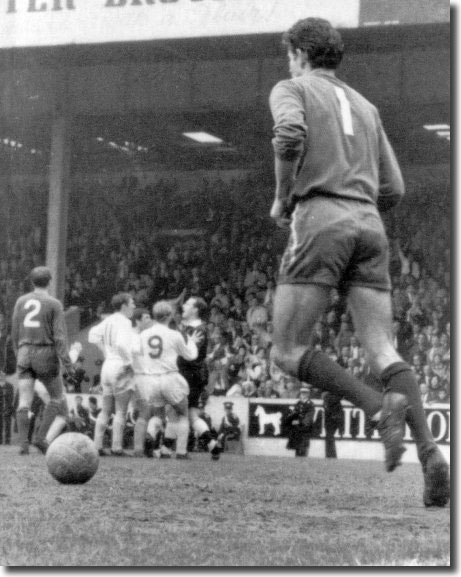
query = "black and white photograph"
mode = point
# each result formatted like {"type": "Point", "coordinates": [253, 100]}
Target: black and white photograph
{"type": "Point", "coordinates": [225, 284]}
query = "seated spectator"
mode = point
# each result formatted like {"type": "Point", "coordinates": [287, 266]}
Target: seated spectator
{"type": "Point", "coordinates": [278, 378]}
{"type": "Point", "coordinates": [267, 390]}
{"type": "Point", "coordinates": [291, 389]}
{"type": "Point", "coordinates": [417, 364]}
{"type": "Point", "coordinates": [344, 358]}
{"type": "Point", "coordinates": [438, 367]}
{"type": "Point", "coordinates": [253, 370]}
{"type": "Point", "coordinates": [435, 348]}
{"type": "Point", "coordinates": [220, 299]}
{"type": "Point", "coordinates": [443, 396]}
{"type": "Point", "coordinates": [425, 395]}
{"type": "Point", "coordinates": [257, 314]}
{"type": "Point", "coordinates": [235, 365]}
{"type": "Point", "coordinates": [249, 389]}
{"type": "Point", "coordinates": [434, 387]}
{"type": "Point", "coordinates": [218, 379]}
{"type": "Point", "coordinates": [420, 347]}
{"type": "Point", "coordinates": [445, 345]}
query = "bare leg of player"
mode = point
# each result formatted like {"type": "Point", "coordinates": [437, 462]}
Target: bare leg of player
{"type": "Point", "coordinates": [102, 422]}
{"type": "Point", "coordinates": [26, 394]}
{"type": "Point", "coordinates": [121, 406]}
{"type": "Point", "coordinates": [140, 427]}
{"type": "Point", "coordinates": [55, 414]}
{"type": "Point", "coordinates": [182, 429]}
{"type": "Point", "coordinates": [170, 436]}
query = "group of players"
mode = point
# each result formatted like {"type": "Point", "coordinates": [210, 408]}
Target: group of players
{"type": "Point", "coordinates": [146, 363]}
{"type": "Point", "coordinates": [159, 368]}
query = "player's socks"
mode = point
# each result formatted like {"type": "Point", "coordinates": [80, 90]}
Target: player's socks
{"type": "Point", "coordinates": [140, 429]}
{"type": "Point", "coordinates": [166, 450]}
{"type": "Point", "coordinates": [169, 441]}
{"type": "Point", "coordinates": [57, 427]}
{"type": "Point", "coordinates": [399, 378]}
{"type": "Point", "coordinates": [99, 431]}
{"type": "Point", "coordinates": [182, 431]}
{"type": "Point", "coordinates": [317, 369]}
{"type": "Point", "coordinates": [154, 427]}
{"type": "Point", "coordinates": [52, 410]}
{"type": "Point", "coordinates": [118, 426]}
{"type": "Point", "coordinates": [200, 427]}
{"type": "Point", "coordinates": [22, 420]}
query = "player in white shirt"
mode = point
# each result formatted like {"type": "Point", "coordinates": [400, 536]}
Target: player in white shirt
{"type": "Point", "coordinates": [157, 378]}
{"type": "Point", "coordinates": [114, 336]}
{"type": "Point", "coordinates": [141, 320]}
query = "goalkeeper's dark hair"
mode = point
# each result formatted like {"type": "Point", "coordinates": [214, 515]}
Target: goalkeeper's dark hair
{"type": "Point", "coordinates": [318, 39]}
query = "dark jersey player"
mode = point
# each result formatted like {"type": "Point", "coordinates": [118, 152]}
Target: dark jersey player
{"type": "Point", "coordinates": [196, 372]}
{"type": "Point", "coordinates": [39, 340]}
{"type": "Point", "coordinates": [334, 170]}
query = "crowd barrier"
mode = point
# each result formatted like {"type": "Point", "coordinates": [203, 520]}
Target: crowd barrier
{"type": "Point", "coordinates": [264, 433]}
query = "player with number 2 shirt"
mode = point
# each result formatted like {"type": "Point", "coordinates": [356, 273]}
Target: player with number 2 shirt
{"type": "Point", "coordinates": [39, 340]}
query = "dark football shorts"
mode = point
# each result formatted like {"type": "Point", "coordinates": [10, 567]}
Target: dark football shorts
{"type": "Point", "coordinates": [197, 379]}
{"type": "Point", "coordinates": [338, 243]}
{"type": "Point", "coordinates": [37, 362]}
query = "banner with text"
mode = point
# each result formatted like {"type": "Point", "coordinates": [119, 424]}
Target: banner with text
{"type": "Point", "coordinates": [266, 420]}
{"type": "Point", "coordinates": [60, 22]}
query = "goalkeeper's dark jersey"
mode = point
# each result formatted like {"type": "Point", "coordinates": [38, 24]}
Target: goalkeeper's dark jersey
{"type": "Point", "coordinates": [337, 135]}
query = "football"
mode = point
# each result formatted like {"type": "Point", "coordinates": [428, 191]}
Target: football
{"type": "Point", "coordinates": [72, 458]}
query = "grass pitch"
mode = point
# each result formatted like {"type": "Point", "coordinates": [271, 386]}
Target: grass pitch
{"type": "Point", "coordinates": [237, 512]}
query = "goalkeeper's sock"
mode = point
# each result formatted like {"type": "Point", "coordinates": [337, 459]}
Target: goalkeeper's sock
{"type": "Point", "coordinates": [317, 369]}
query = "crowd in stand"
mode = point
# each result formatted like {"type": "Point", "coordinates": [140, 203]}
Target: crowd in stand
{"type": "Point", "coordinates": [134, 239]}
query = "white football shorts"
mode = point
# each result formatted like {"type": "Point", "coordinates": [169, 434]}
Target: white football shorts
{"type": "Point", "coordinates": [113, 381]}
{"type": "Point", "coordinates": [160, 390]}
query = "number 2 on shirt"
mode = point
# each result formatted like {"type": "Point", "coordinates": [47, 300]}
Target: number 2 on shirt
{"type": "Point", "coordinates": [346, 114]}
{"type": "Point", "coordinates": [29, 319]}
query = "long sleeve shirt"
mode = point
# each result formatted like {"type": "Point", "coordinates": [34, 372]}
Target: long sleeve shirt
{"type": "Point", "coordinates": [114, 336]}
{"type": "Point", "coordinates": [337, 136]}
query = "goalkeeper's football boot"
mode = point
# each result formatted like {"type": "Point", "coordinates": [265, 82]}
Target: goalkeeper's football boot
{"type": "Point", "coordinates": [436, 478]}
{"type": "Point", "coordinates": [391, 427]}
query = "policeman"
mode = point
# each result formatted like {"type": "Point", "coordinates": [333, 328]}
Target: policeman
{"type": "Point", "coordinates": [300, 421]}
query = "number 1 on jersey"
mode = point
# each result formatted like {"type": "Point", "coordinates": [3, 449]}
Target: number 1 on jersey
{"type": "Point", "coordinates": [346, 114]}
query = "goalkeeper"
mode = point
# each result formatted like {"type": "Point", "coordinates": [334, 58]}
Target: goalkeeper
{"type": "Point", "coordinates": [334, 169]}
